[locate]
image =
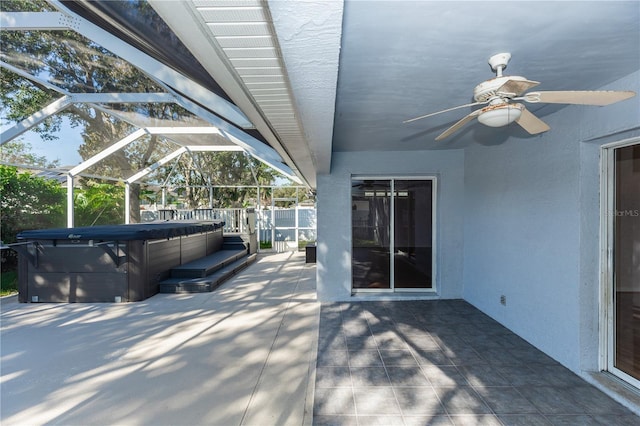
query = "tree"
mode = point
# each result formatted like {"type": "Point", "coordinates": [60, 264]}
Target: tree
{"type": "Point", "coordinates": [204, 170]}
{"type": "Point", "coordinates": [28, 202]}
{"type": "Point", "coordinates": [77, 64]}
{"type": "Point", "coordinates": [19, 152]}
{"type": "Point", "coordinates": [99, 204]}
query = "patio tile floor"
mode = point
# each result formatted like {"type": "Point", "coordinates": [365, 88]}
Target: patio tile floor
{"type": "Point", "coordinates": [443, 363]}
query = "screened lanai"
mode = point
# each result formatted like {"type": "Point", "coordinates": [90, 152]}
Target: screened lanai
{"type": "Point", "coordinates": [91, 95]}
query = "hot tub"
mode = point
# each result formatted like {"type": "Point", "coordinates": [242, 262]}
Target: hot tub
{"type": "Point", "coordinates": [109, 263]}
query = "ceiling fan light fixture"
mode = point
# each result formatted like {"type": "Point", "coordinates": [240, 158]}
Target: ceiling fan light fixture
{"type": "Point", "coordinates": [500, 115]}
{"type": "Point", "coordinates": [499, 91]}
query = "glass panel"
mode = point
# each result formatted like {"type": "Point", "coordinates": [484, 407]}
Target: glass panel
{"type": "Point", "coordinates": [137, 23]}
{"type": "Point", "coordinates": [26, 6]}
{"type": "Point", "coordinates": [21, 98]}
{"type": "Point", "coordinates": [627, 260]}
{"type": "Point", "coordinates": [370, 224]}
{"type": "Point", "coordinates": [412, 234]}
{"type": "Point", "coordinates": [288, 235]}
{"type": "Point", "coordinates": [157, 114]}
{"type": "Point", "coordinates": [38, 147]}
{"type": "Point", "coordinates": [72, 62]}
{"type": "Point", "coordinates": [167, 115]}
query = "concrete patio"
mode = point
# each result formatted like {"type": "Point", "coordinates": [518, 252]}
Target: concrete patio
{"type": "Point", "coordinates": [261, 350]}
{"type": "Point", "coordinates": [239, 355]}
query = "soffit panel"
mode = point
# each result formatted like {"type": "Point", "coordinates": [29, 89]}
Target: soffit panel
{"type": "Point", "coordinates": [239, 29]}
{"type": "Point", "coordinates": [244, 32]}
{"type": "Point", "coordinates": [244, 41]}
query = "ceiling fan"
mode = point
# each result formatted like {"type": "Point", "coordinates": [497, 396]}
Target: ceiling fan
{"type": "Point", "coordinates": [499, 92]}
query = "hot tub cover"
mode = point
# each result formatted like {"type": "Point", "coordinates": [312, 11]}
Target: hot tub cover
{"type": "Point", "coordinates": [135, 231]}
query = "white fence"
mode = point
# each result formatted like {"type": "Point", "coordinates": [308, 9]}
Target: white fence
{"type": "Point", "coordinates": [288, 228]}
{"type": "Point", "coordinates": [283, 229]}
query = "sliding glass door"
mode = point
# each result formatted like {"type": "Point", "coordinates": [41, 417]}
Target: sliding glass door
{"type": "Point", "coordinates": [370, 233]}
{"type": "Point", "coordinates": [623, 263]}
{"type": "Point", "coordinates": [392, 234]}
{"type": "Point", "coordinates": [413, 236]}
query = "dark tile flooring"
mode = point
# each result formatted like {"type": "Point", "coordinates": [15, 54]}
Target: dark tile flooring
{"type": "Point", "coordinates": [443, 363]}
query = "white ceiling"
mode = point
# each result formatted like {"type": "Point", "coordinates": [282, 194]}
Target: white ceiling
{"type": "Point", "coordinates": [356, 69]}
{"type": "Point", "coordinates": [401, 59]}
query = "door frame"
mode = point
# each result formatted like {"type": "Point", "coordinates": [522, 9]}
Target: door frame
{"type": "Point", "coordinates": [434, 217]}
{"type": "Point", "coordinates": [607, 308]}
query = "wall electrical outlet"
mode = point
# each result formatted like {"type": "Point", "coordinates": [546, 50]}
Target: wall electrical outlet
{"type": "Point", "coordinates": [503, 300]}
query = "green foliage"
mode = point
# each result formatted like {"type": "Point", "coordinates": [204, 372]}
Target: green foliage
{"type": "Point", "coordinates": [292, 193]}
{"type": "Point", "coordinates": [8, 283]}
{"type": "Point", "coordinates": [19, 152]}
{"type": "Point", "coordinates": [265, 244]}
{"type": "Point", "coordinates": [25, 6]}
{"type": "Point", "coordinates": [28, 202]}
{"type": "Point", "coordinates": [222, 168]}
{"type": "Point", "coordinates": [99, 204]}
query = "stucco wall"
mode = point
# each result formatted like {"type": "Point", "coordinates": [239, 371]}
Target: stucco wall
{"type": "Point", "coordinates": [518, 218]}
{"type": "Point", "coordinates": [334, 215]}
{"type": "Point", "coordinates": [532, 228]}
{"type": "Point", "coordinates": [522, 237]}
{"type": "Point", "coordinates": [621, 122]}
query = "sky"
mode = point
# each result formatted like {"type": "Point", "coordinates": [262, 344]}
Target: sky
{"type": "Point", "coordinates": [64, 149]}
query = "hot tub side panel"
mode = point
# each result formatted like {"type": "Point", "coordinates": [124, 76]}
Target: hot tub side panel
{"type": "Point", "coordinates": [193, 247]}
{"type": "Point", "coordinates": [160, 257]}
{"type": "Point", "coordinates": [74, 273]}
{"type": "Point", "coordinates": [23, 283]}
{"type": "Point", "coordinates": [214, 241]}
{"type": "Point", "coordinates": [137, 271]}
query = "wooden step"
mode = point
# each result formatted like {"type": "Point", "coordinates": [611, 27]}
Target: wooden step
{"type": "Point", "coordinates": [208, 283]}
{"type": "Point", "coordinates": [234, 242]}
{"type": "Point", "coordinates": [207, 265]}
{"type": "Point", "coordinates": [233, 246]}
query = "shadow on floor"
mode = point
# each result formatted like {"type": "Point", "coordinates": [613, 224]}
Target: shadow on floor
{"type": "Point", "coordinates": [443, 363]}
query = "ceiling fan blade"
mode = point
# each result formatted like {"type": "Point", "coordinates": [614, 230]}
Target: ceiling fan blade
{"type": "Point", "coordinates": [444, 110]}
{"type": "Point", "coordinates": [585, 97]}
{"type": "Point", "coordinates": [459, 124]}
{"type": "Point", "coordinates": [531, 123]}
{"type": "Point", "coordinates": [517, 86]}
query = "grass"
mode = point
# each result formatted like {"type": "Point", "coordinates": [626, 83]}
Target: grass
{"type": "Point", "coordinates": [8, 283]}
{"type": "Point", "coordinates": [303, 244]}
{"type": "Point", "coordinates": [265, 244]}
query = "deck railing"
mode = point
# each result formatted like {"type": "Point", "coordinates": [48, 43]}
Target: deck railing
{"type": "Point", "coordinates": [282, 228]}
